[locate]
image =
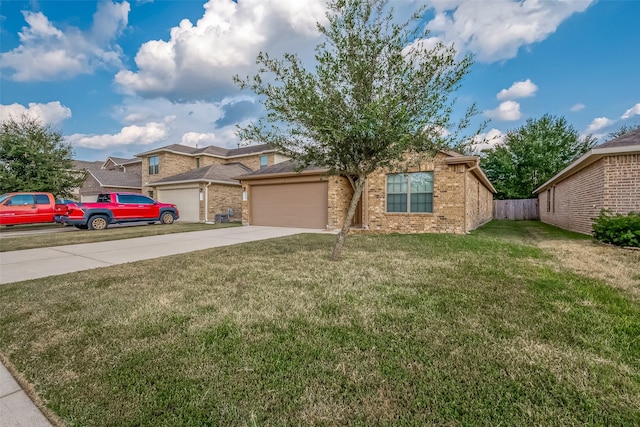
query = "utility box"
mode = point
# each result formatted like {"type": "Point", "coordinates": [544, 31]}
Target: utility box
{"type": "Point", "coordinates": [222, 218]}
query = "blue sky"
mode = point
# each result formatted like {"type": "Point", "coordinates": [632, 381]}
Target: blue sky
{"type": "Point", "coordinates": [119, 78]}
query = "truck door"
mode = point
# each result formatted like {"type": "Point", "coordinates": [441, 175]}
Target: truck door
{"type": "Point", "coordinates": [19, 209]}
{"type": "Point", "coordinates": [44, 208]}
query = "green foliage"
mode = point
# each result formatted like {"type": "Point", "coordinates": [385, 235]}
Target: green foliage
{"type": "Point", "coordinates": [618, 229]}
{"type": "Point", "coordinates": [533, 154]}
{"type": "Point", "coordinates": [375, 95]}
{"type": "Point", "coordinates": [34, 157]}
{"type": "Point", "coordinates": [623, 130]}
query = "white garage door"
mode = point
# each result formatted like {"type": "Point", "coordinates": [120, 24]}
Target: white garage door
{"type": "Point", "coordinates": [290, 205]}
{"type": "Point", "coordinates": [186, 199]}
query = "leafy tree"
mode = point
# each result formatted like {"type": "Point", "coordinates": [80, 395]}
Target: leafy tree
{"type": "Point", "coordinates": [375, 95]}
{"type": "Point", "coordinates": [531, 155]}
{"type": "Point", "coordinates": [34, 157]}
{"type": "Point", "coordinates": [622, 130]}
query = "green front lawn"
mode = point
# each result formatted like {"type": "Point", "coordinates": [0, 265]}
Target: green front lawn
{"type": "Point", "coordinates": [406, 330]}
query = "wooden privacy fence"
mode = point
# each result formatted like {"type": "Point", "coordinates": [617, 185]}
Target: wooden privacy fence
{"type": "Point", "coordinates": [516, 210]}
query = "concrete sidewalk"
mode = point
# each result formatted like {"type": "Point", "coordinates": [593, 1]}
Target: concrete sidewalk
{"type": "Point", "coordinates": [16, 408]}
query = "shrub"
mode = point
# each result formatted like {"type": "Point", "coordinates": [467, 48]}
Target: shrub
{"type": "Point", "coordinates": [618, 229]}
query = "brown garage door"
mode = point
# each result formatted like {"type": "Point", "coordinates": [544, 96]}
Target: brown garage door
{"type": "Point", "coordinates": [290, 205]}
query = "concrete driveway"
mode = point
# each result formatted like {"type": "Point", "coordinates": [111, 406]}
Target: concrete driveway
{"type": "Point", "coordinates": [36, 263]}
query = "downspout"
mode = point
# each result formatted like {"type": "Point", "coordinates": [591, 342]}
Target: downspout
{"type": "Point", "coordinates": [206, 203]}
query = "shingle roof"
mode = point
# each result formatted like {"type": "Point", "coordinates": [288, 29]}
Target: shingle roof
{"type": "Point", "coordinates": [83, 164]}
{"type": "Point", "coordinates": [110, 178]}
{"type": "Point", "coordinates": [288, 167]}
{"type": "Point", "coordinates": [121, 161]}
{"type": "Point", "coordinates": [211, 150]}
{"type": "Point", "coordinates": [218, 173]}
{"type": "Point", "coordinates": [628, 139]}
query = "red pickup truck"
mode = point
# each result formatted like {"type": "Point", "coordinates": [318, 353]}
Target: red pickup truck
{"type": "Point", "coordinates": [118, 208]}
{"type": "Point", "coordinates": [26, 208]}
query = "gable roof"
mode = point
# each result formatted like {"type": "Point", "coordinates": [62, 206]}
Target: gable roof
{"type": "Point", "coordinates": [629, 143]}
{"type": "Point", "coordinates": [211, 150]}
{"type": "Point", "coordinates": [119, 161]}
{"type": "Point", "coordinates": [221, 174]}
{"type": "Point", "coordinates": [86, 165]}
{"type": "Point", "coordinates": [111, 178]}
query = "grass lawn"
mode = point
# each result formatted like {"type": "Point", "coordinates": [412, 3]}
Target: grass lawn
{"type": "Point", "coordinates": [496, 327]}
{"type": "Point", "coordinates": [74, 236]}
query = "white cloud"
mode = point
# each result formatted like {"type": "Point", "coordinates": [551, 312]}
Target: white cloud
{"type": "Point", "coordinates": [195, 139]}
{"type": "Point", "coordinates": [47, 53]}
{"type": "Point", "coordinates": [495, 30]}
{"type": "Point", "coordinates": [487, 141]}
{"type": "Point", "coordinates": [633, 111]}
{"type": "Point", "coordinates": [150, 133]}
{"type": "Point", "coordinates": [50, 113]}
{"type": "Point", "coordinates": [577, 107]}
{"type": "Point", "coordinates": [506, 111]}
{"type": "Point", "coordinates": [599, 123]}
{"type": "Point", "coordinates": [200, 60]}
{"type": "Point", "coordinates": [518, 90]}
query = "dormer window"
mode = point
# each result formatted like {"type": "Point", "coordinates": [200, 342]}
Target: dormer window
{"type": "Point", "coordinates": [264, 161]}
{"type": "Point", "coordinates": [197, 162]}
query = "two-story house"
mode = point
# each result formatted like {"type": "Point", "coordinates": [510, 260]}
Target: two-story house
{"type": "Point", "coordinates": [200, 181]}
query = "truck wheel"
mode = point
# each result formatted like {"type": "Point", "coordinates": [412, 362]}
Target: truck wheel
{"type": "Point", "coordinates": [167, 218]}
{"type": "Point", "coordinates": [98, 222]}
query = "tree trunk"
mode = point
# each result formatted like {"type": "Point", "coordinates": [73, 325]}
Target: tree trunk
{"type": "Point", "coordinates": [357, 193]}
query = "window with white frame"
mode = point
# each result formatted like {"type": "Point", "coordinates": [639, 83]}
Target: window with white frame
{"type": "Point", "coordinates": [154, 164]}
{"type": "Point", "coordinates": [410, 192]}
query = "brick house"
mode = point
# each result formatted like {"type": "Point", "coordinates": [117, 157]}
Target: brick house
{"type": "Point", "coordinates": [606, 177]}
{"type": "Point", "coordinates": [112, 175]}
{"type": "Point", "coordinates": [200, 180]}
{"type": "Point", "coordinates": [447, 193]}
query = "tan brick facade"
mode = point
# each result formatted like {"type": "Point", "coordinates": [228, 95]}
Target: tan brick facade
{"type": "Point", "coordinates": [221, 199]}
{"type": "Point", "coordinates": [612, 182]}
{"type": "Point", "coordinates": [169, 164]}
{"type": "Point", "coordinates": [461, 202]}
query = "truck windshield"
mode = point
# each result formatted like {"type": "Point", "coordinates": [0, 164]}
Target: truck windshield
{"type": "Point", "coordinates": [3, 197]}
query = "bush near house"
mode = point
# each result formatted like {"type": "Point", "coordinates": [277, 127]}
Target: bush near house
{"type": "Point", "coordinates": [618, 229]}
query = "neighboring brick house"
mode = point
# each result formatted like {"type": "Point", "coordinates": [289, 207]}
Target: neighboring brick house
{"type": "Point", "coordinates": [112, 175]}
{"type": "Point", "coordinates": [199, 180]}
{"type": "Point", "coordinates": [606, 177]}
{"type": "Point", "coordinates": [447, 193]}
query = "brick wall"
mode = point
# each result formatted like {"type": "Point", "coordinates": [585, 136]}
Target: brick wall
{"type": "Point", "coordinates": [622, 183]}
{"type": "Point", "coordinates": [448, 201]}
{"type": "Point", "coordinates": [169, 164]}
{"type": "Point", "coordinates": [340, 193]}
{"type": "Point", "coordinates": [575, 200]}
{"type": "Point", "coordinates": [479, 203]}
{"type": "Point", "coordinates": [221, 198]}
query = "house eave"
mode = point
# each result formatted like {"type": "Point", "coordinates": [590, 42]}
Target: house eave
{"type": "Point", "coordinates": [282, 174]}
{"type": "Point", "coordinates": [192, 181]}
{"type": "Point", "coordinates": [585, 160]}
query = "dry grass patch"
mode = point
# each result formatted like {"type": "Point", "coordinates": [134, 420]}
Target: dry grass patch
{"type": "Point", "coordinates": [418, 330]}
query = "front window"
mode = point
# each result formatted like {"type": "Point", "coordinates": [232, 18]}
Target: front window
{"type": "Point", "coordinates": [154, 165]}
{"type": "Point", "coordinates": [410, 192]}
{"type": "Point", "coordinates": [263, 161]}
